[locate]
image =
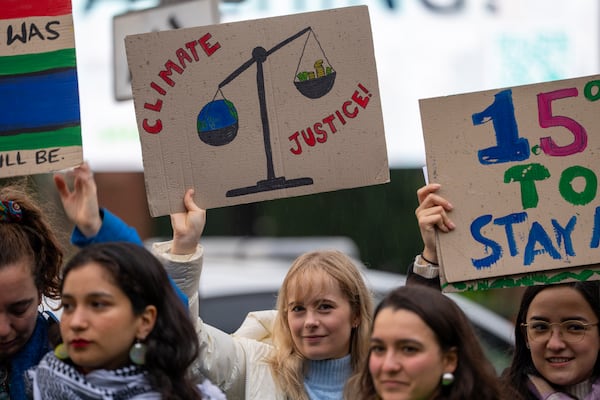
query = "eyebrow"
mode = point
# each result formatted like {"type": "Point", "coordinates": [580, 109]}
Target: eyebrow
{"type": "Point", "coordinates": [574, 318]}
{"type": "Point", "coordinates": [398, 342]}
{"type": "Point", "coordinates": [92, 295]}
{"type": "Point", "coordinates": [316, 301]}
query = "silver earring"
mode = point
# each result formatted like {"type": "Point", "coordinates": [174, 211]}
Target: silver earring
{"type": "Point", "coordinates": [137, 353]}
{"type": "Point", "coordinates": [447, 379]}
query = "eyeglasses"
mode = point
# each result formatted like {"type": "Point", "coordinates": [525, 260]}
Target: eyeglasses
{"type": "Point", "coordinates": [570, 331]}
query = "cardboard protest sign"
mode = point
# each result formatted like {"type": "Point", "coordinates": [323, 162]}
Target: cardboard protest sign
{"type": "Point", "coordinates": [521, 167]}
{"type": "Point", "coordinates": [40, 127]}
{"type": "Point", "coordinates": [257, 110]}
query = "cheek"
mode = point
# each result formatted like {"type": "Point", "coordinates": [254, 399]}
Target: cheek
{"type": "Point", "coordinates": [295, 324]}
{"type": "Point", "coordinates": [537, 351]}
{"type": "Point", "coordinates": [374, 364]}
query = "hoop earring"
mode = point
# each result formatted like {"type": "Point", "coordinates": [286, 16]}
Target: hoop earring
{"type": "Point", "coordinates": [137, 353]}
{"type": "Point", "coordinates": [61, 352]}
{"type": "Point", "coordinates": [447, 379]}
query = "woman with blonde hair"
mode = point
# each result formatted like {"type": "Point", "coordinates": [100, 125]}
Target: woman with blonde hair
{"type": "Point", "coordinates": [306, 349]}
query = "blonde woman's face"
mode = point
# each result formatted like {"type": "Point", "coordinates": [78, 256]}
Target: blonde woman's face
{"type": "Point", "coordinates": [321, 321]}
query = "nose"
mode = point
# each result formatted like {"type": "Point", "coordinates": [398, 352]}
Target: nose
{"type": "Point", "coordinates": [77, 319]}
{"type": "Point", "coordinates": [311, 320]}
{"type": "Point", "coordinates": [555, 341]}
{"type": "Point", "coordinates": [5, 326]}
{"type": "Point", "coordinates": [391, 362]}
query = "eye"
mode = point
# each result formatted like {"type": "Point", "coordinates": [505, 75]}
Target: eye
{"type": "Point", "coordinates": [325, 306]}
{"type": "Point", "coordinates": [297, 309]}
{"type": "Point", "coordinates": [573, 326]}
{"type": "Point", "coordinates": [67, 306]}
{"type": "Point", "coordinates": [377, 349]}
{"type": "Point", "coordinates": [539, 326]}
{"type": "Point", "coordinates": [409, 349]}
{"type": "Point", "coordinates": [19, 309]}
{"type": "Point", "coordinates": [98, 304]}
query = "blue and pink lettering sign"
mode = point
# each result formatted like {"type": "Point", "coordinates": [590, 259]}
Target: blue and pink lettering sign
{"type": "Point", "coordinates": [521, 164]}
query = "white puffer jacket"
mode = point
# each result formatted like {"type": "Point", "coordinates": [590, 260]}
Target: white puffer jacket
{"type": "Point", "coordinates": [236, 362]}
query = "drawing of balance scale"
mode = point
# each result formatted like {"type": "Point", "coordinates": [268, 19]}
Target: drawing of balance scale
{"type": "Point", "coordinates": [218, 120]}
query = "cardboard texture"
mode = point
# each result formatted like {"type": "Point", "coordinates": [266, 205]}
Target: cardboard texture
{"type": "Point", "coordinates": [257, 110]}
{"type": "Point", "coordinates": [162, 17]}
{"type": "Point", "coordinates": [521, 167]}
{"type": "Point", "coordinates": [40, 129]}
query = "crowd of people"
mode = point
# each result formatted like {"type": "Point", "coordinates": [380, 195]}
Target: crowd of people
{"type": "Point", "coordinates": [129, 325]}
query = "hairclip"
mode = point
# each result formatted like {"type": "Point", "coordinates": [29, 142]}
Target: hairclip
{"type": "Point", "coordinates": [10, 211]}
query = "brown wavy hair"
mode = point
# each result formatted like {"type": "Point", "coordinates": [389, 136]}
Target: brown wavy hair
{"type": "Point", "coordinates": [32, 240]}
{"type": "Point", "coordinates": [475, 377]}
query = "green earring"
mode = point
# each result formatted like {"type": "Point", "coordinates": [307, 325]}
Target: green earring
{"type": "Point", "coordinates": [137, 353]}
{"type": "Point", "coordinates": [61, 352]}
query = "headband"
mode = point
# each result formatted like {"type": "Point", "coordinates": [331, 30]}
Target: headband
{"type": "Point", "coordinates": [10, 211]}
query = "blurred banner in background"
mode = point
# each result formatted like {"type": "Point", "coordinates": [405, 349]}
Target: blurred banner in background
{"type": "Point", "coordinates": [423, 48]}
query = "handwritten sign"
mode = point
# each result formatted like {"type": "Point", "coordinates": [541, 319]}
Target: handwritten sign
{"type": "Point", "coordinates": [521, 166]}
{"type": "Point", "coordinates": [40, 128]}
{"type": "Point", "coordinates": [257, 110]}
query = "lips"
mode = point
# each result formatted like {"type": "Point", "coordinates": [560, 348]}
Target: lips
{"type": "Point", "coordinates": [313, 338]}
{"type": "Point", "coordinates": [79, 343]}
{"type": "Point", "coordinates": [559, 359]}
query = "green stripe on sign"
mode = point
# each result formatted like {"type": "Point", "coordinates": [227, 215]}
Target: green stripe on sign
{"type": "Point", "coordinates": [41, 140]}
{"type": "Point", "coordinates": [31, 63]}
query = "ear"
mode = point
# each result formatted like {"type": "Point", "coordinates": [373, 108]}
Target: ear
{"type": "Point", "coordinates": [146, 321]}
{"type": "Point", "coordinates": [450, 360]}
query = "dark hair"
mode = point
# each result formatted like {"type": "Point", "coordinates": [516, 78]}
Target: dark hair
{"type": "Point", "coordinates": [31, 239]}
{"type": "Point", "coordinates": [172, 345]}
{"type": "Point", "coordinates": [475, 377]}
{"type": "Point", "coordinates": [522, 364]}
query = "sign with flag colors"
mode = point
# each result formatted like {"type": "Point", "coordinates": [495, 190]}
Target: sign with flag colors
{"type": "Point", "coordinates": [40, 127]}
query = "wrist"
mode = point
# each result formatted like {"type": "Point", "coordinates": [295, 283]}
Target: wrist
{"type": "Point", "coordinates": [183, 247]}
{"type": "Point", "coordinates": [91, 228]}
{"type": "Point", "coordinates": [428, 259]}
{"type": "Point", "coordinates": [425, 269]}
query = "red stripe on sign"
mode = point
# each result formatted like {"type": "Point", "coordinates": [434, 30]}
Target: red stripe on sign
{"type": "Point", "coordinates": [10, 9]}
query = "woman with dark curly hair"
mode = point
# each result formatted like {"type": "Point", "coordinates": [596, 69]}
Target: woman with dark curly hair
{"type": "Point", "coordinates": [126, 334]}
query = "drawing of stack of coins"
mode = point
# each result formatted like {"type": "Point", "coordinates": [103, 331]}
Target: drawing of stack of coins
{"type": "Point", "coordinates": [319, 72]}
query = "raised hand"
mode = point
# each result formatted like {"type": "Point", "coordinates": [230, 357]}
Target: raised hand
{"type": "Point", "coordinates": [187, 226]}
{"type": "Point", "coordinates": [80, 204]}
{"type": "Point", "coordinates": [432, 214]}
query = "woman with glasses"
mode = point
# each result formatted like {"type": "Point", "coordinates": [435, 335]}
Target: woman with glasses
{"type": "Point", "coordinates": [557, 343]}
{"type": "Point", "coordinates": [556, 332]}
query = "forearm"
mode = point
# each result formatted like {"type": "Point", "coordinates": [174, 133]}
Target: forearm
{"type": "Point", "coordinates": [184, 270]}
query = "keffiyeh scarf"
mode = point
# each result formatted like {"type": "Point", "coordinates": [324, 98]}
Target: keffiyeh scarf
{"type": "Point", "coordinates": [544, 391]}
{"type": "Point", "coordinates": [54, 379]}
